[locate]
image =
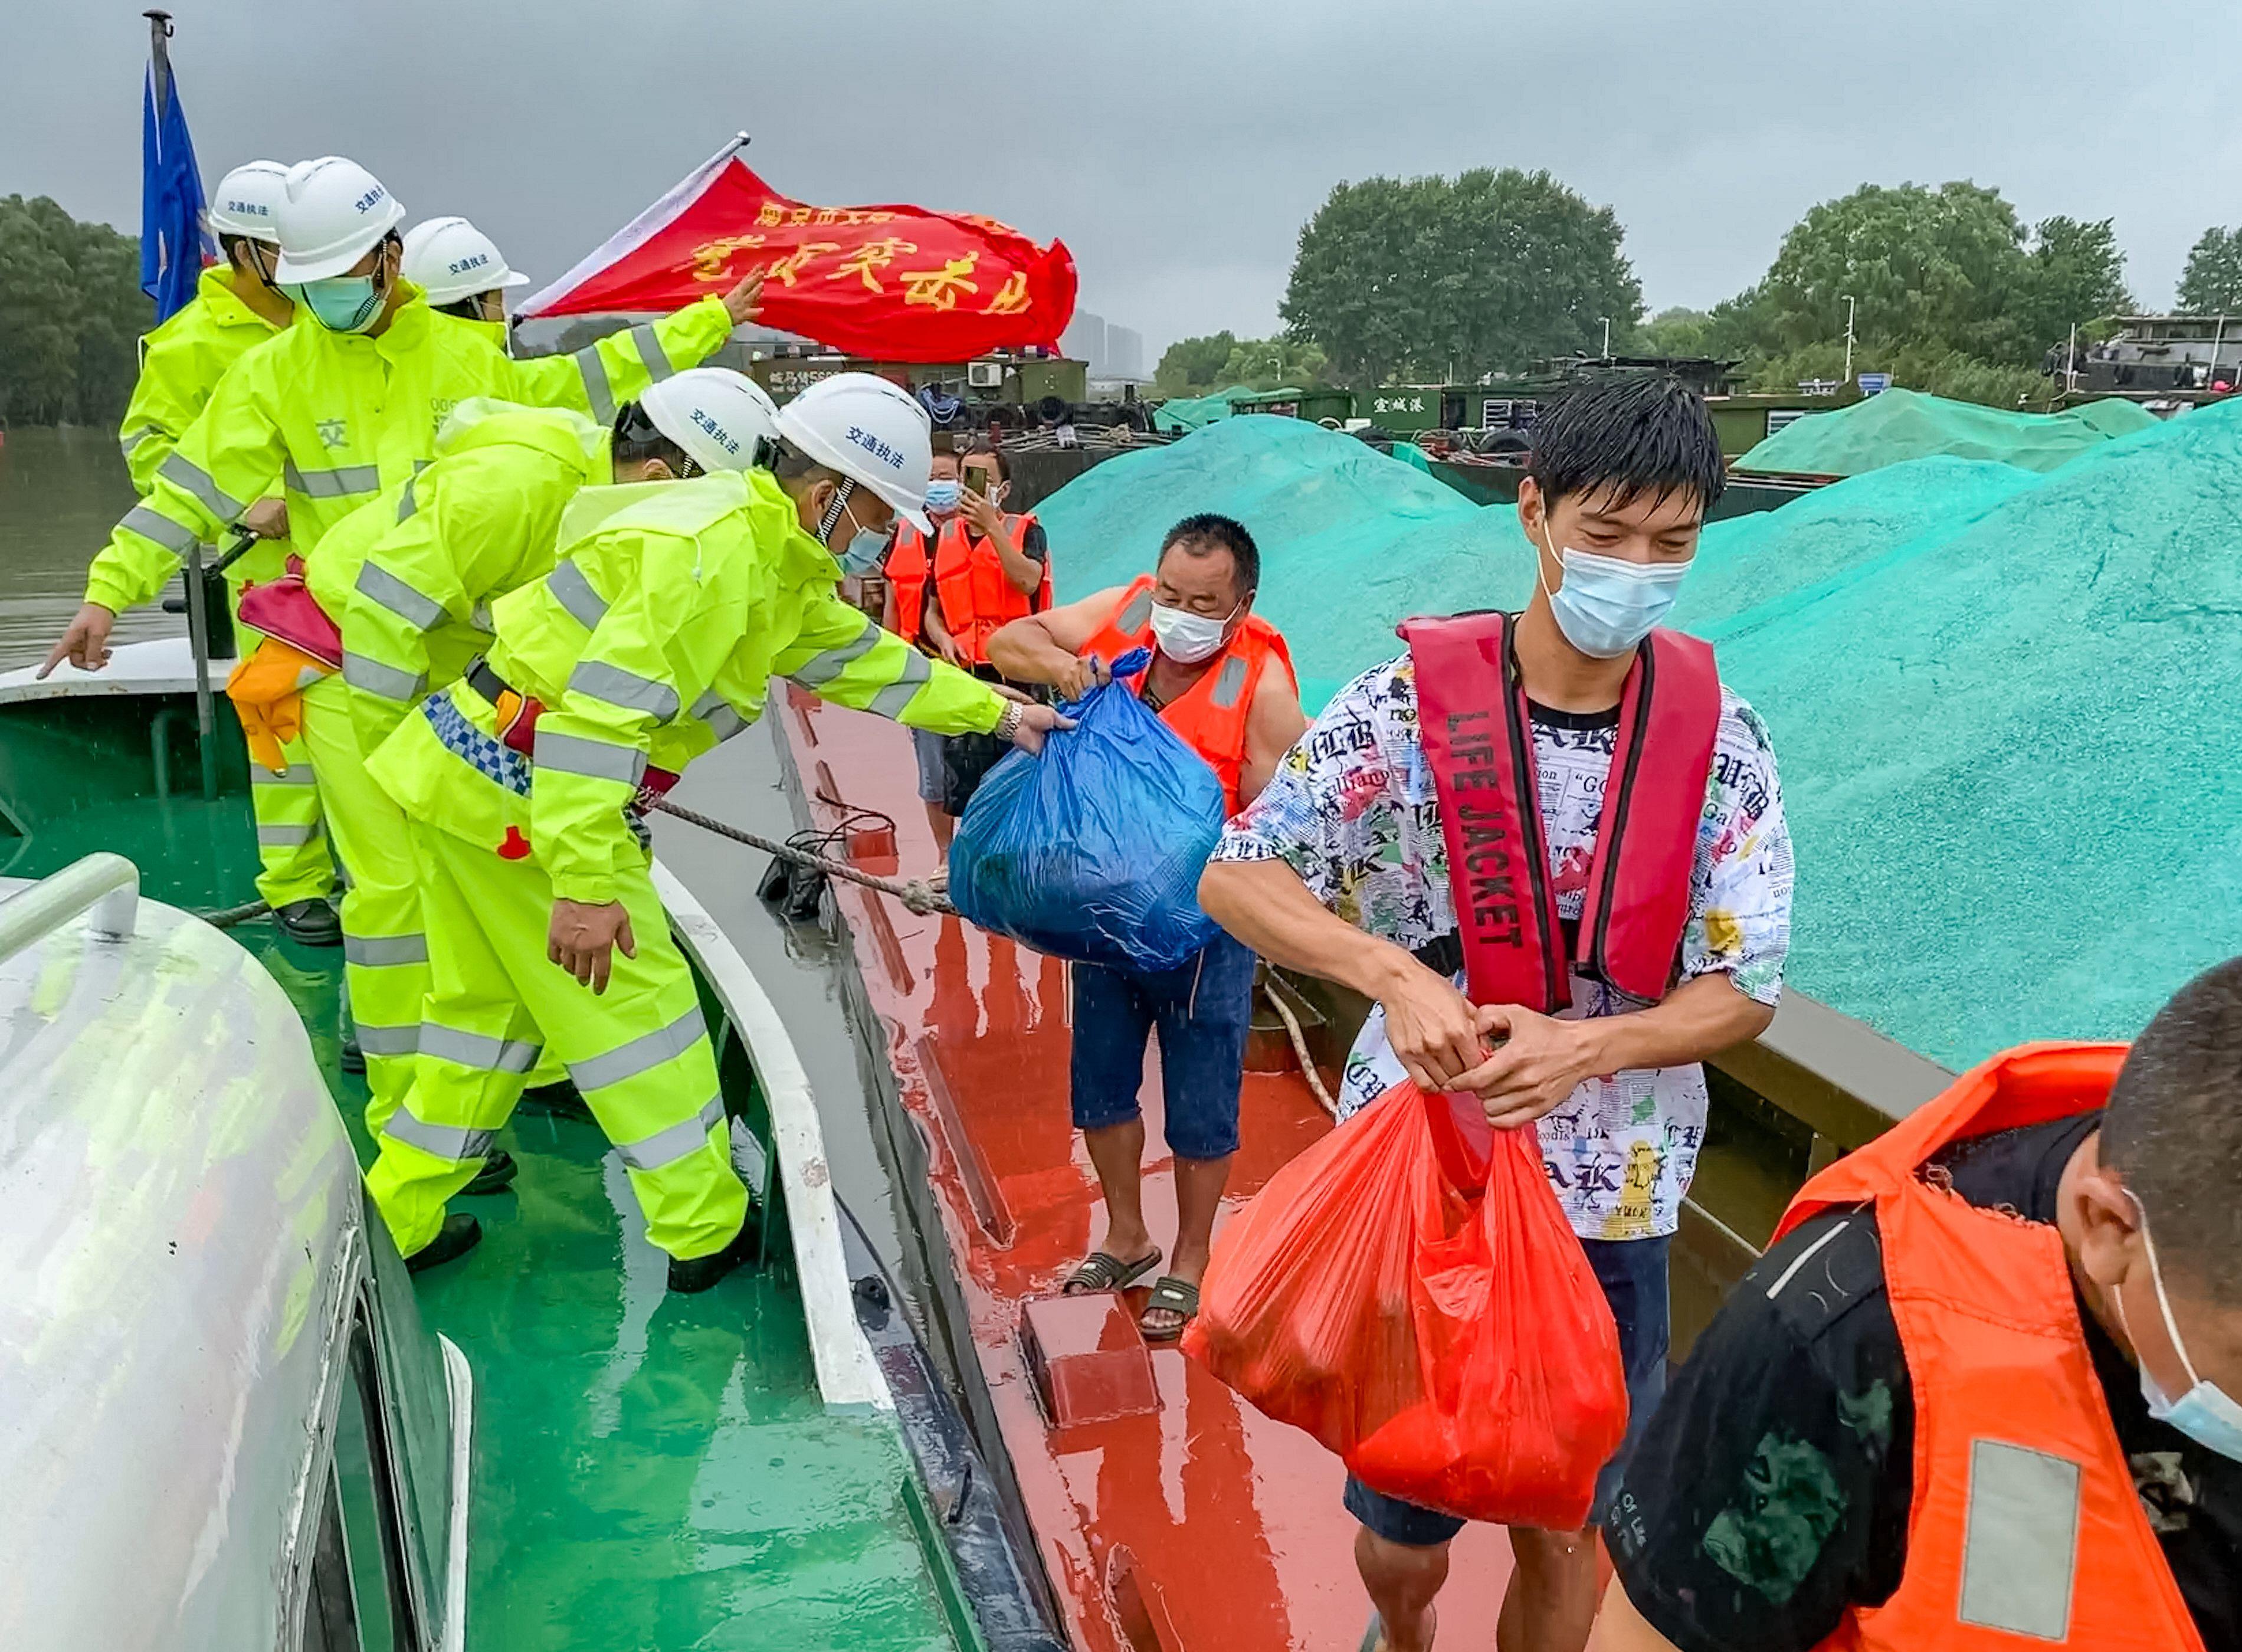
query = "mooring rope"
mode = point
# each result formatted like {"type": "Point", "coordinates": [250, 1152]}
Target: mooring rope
{"type": "Point", "coordinates": [917, 894]}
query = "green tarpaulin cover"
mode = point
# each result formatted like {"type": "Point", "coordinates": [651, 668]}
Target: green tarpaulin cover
{"type": "Point", "coordinates": [1900, 425]}
{"type": "Point", "coordinates": [2004, 703]}
{"type": "Point", "coordinates": [1192, 413]}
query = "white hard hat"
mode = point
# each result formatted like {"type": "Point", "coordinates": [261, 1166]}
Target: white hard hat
{"type": "Point", "coordinates": [336, 213]}
{"type": "Point", "coordinates": [249, 201]}
{"type": "Point", "coordinates": [722, 419]}
{"type": "Point", "coordinates": [871, 432]}
{"type": "Point", "coordinates": [453, 259]}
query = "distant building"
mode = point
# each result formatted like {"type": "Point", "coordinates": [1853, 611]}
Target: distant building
{"type": "Point", "coordinates": [1124, 354]}
{"type": "Point", "coordinates": [1114, 354]}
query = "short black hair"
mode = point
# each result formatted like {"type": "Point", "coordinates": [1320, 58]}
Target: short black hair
{"type": "Point", "coordinates": [1206, 532]}
{"type": "Point", "coordinates": [1626, 437]}
{"type": "Point", "coordinates": [226, 243]}
{"type": "Point", "coordinates": [996, 455]}
{"type": "Point", "coordinates": [2173, 1130]}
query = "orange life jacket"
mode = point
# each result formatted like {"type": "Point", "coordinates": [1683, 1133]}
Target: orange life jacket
{"type": "Point", "coordinates": [970, 581]}
{"type": "Point", "coordinates": [1479, 745]}
{"type": "Point", "coordinates": [1209, 717]}
{"type": "Point", "coordinates": [2025, 1522]}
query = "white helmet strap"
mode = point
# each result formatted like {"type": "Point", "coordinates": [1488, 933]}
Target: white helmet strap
{"type": "Point", "coordinates": [831, 519]}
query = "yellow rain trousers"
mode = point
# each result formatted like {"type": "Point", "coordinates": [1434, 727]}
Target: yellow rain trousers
{"type": "Point", "coordinates": [407, 582]}
{"type": "Point", "coordinates": [655, 637]}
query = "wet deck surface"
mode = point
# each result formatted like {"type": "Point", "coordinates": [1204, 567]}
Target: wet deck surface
{"type": "Point", "coordinates": [649, 1470]}
{"type": "Point", "coordinates": [1232, 1523]}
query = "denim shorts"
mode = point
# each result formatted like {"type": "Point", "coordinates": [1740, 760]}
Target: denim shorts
{"type": "Point", "coordinates": [1201, 1010]}
{"type": "Point", "coordinates": [927, 747]}
{"type": "Point", "coordinates": [1632, 1273]}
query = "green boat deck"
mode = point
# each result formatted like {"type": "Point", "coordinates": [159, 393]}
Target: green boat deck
{"type": "Point", "coordinates": [648, 1470]}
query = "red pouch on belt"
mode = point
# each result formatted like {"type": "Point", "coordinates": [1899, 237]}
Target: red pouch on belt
{"type": "Point", "coordinates": [1449, 1341]}
{"type": "Point", "coordinates": [284, 608]}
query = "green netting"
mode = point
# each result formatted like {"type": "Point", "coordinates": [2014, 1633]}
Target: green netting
{"type": "Point", "coordinates": [1192, 413]}
{"type": "Point", "coordinates": [2004, 703]}
{"type": "Point", "coordinates": [1900, 425]}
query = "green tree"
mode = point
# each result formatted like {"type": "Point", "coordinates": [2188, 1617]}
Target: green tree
{"type": "Point", "coordinates": [1429, 277]}
{"type": "Point", "coordinates": [70, 312]}
{"type": "Point", "coordinates": [1266, 364]}
{"type": "Point", "coordinates": [2074, 275]}
{"type": "Point", "coordinates": [1677, 332]}
{"type": "Point", "coordinates": [1953, 294]}
{"type": "Point", "coordinates": [1193, 365]}
{"type": "Point", "coordinates": [2211, 285]}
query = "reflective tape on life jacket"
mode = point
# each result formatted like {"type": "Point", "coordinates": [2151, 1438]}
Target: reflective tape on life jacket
{"type": "Point", "coordinates": [2025, 1522]}
{"type": "Point", "coordinates": [1479, 744]}
{"type": "Point", "coordinates": [1210, 715]}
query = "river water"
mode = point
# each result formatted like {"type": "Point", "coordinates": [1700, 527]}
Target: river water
{"type": "Point", "coordinates": [61, 491]}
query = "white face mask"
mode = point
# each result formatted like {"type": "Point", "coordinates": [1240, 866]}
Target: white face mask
{"type": "Point", "coordinates": [1186, 637]}
{"type": "Point", "coordinates": [1607, 605]}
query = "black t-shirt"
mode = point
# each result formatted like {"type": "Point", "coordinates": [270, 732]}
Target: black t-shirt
{"type": "Point", "coordinates": [1771, 1491]}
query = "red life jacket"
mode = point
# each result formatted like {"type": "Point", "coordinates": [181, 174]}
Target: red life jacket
{"type": "Point", "coordinates": [1210, 715]}
{"type": "Point", "coordinates": [970, 581]}
{"type": "Point", "coordinates": [2024, 1528]}
{"type": "Point", "coordinates": [1479, 743]}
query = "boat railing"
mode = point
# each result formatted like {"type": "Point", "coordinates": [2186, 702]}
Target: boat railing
{"type": "Point", "coordinates": [108, 885]}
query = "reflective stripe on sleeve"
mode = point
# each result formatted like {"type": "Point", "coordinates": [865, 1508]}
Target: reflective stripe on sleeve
{"type": "Point", "coordinates": [384, 681]}
{"type": "Point", "coordinates": [406, 503]}
{"type": "Point", "coordinates": [340, 482]}
{"type": "Point", "coordinates": [716, 711]}
{"type": "Point", "coordinates": [286, 836]}
{"type": "Point", "coordinates": [596, 392]}
{"type": "Point", "coordinates": [182, 471]}
{"type": "Point", "coordinates": [890, 701]}
{"type": "Point", "coordinates": [657, 364]}
{"type": "Point", "coordinates": [641, 1054]}
{"type": "Point", "coordinates": [131, 440]}
{"type": "Point", "coordinates": [595, 759]}
{"type": "Point", "coordinates": [421, 611]}
{"type": "Point", "coordinates": [575, 593]}
{"type": "Point", "coordinates": [385, 951]}
{"type": "Point", "coordinates": [821, 669]}
{"type": "Point", "coordinates": [151, 523]}
{"type": "Point", "coordinates": [667, 1146]}
{"type": "Point", "coordinates": [477, 1049]}
{"type": "Point", "coordinates": [627, 690]}
{"type": "Point", "coordinates": [455, 1142]}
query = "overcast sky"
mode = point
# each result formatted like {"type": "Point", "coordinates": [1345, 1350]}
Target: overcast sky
{"type": "Point", "coordinates": [1176, 148]}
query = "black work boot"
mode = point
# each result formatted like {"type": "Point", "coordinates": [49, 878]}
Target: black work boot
{"type": "Point", "coordinates": [496, 1175]}
{"type": "Point", "coordinates": [560, 1100]}
{"type": "Point", "coordinates": [310, 922]}
{"type": "Point", "coordinates": [688, 1278]}
{"type": "Point", "coordinates": [352, 1058]}
{"type": "Point", "coordinates": [459, 1235]}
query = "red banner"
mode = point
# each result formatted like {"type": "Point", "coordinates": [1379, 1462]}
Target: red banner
{"type": "Point", "coordinates": [894, 283]}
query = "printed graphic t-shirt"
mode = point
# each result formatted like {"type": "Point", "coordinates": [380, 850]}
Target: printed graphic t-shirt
{"type": "Point", "coordinates": [1353, 810]}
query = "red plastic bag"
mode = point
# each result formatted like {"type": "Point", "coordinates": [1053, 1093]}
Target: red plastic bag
{"type": "Point", "coordinates": [1409, 1292]}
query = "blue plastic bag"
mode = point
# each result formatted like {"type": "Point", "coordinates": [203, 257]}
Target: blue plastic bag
{"type": "Point", "coordinates": [1093, 850]}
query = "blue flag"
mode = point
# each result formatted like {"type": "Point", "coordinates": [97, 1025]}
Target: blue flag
{"type": "Point", "coordinates": [174, 241]}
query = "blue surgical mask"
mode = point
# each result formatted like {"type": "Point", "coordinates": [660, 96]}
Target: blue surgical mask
{"type": "Point", "coordinates": [342, 303]}
{"type": "Point", "coordinates": [2206, 1413]}
{"type": "Point", "coordinates": [1607, 605]}
{"type": "Point", "coordinates": [862, 554]}
{"type": "Point", "coordinates": [943, 494]}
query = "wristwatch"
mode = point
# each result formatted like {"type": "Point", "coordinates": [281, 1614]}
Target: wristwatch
{"type": "Point", "coordinates": [1007, 725]}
